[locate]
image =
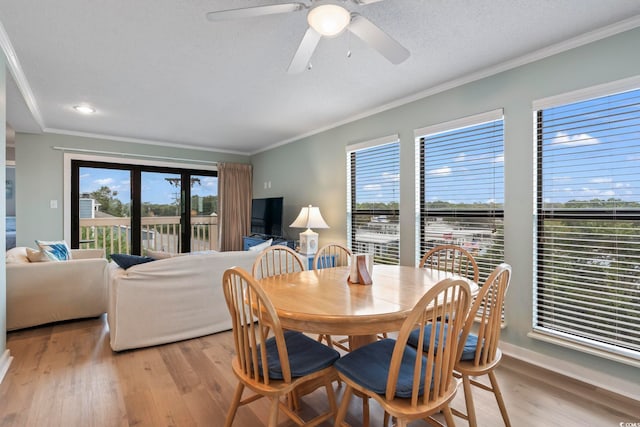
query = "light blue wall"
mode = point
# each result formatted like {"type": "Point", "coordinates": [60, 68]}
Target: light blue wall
{"type": "Point", "coordinates": [39, 177]}
{"type": "Point", "coordinates": [313, 170]}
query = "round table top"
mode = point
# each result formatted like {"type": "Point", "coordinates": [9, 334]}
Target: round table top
{"type": "Point", "coordinates": [325, 302]}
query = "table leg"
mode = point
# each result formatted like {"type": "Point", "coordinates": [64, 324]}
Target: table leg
{"type": "Point", "coordinates": [357, 341]}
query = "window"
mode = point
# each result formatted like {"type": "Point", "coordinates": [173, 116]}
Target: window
{"type": "Point", "coordinates": [373, 205]}
{"type": "Point", "coordinates": [460, 188]}
{"type": "Point", "coordinates": [587, 287]}
{"type": "Point", "coordinates": [131, 208]}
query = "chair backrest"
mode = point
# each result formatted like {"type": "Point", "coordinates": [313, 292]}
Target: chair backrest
{"type": "Point", "coordinates": [275, 260]}
{"type": "Point", "coordinates": [447, 299]}
{"type": "Point", "coordinates": [332, 255]}
{"type": "Point", "coordinates": [486, 313]}
{"type": "Point", "coordinates": [453, 259]}
{"type": "Point", "coordinates": [253, 318]}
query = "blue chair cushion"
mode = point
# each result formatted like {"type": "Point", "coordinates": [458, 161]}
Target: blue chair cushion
{"type": "Point", "coordinates": [306, 355]}
{"type": "Point", "coordinates": [369, 367]}
{"type": "Point", "coordinates": [468, 353]}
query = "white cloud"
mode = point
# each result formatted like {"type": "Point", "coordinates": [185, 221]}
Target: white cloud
{"type": "Point", "coordinates": [561, 178]}
{"type": "Point", "coordinates": [390, 176]}
{"type": "Point", "coordinates": [602, 180]}
{"type": "Point", "coordinates": [499, 159]}
{"type": "Point", "coordinates": [104, 181]}
{"type": "Point", "coordinates": [460, 157]}
{"type": "Point", "coordinates": [562, 138]}
{"type": "Point", "coordinates": [441, 171]}
{"type": "Point", "coordinates": [592, 192]}
{"type": "Point", "coordinates": [372, 187]}
{"type": "Point", "coordinates": [209, 181]}
{"type": "Point", "coordinates": [86, 175]}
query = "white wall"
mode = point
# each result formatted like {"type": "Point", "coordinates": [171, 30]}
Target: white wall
{"type": "Point", "coordinates": [313, 170]}
{"type": "Point", "coordinates": [4, 353]}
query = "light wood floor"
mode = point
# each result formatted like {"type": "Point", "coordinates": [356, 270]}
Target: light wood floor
{"type": "Point", "coordinates": [67, 375]}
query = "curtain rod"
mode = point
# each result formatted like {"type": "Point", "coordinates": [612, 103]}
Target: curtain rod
{"type": "Point", "coordinates": [146, 156]}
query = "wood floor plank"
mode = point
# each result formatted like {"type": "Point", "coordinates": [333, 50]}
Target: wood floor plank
{"type": "Point", "coordinates": [66, 375]}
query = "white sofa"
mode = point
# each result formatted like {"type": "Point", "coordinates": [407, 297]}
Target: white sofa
{"type": "Point", "coordinates": [170, 299]}
{"type": "Point", "coordinates": [45, 292]}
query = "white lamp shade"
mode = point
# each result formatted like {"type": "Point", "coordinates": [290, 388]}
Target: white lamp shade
{"type": "Point", "coordinates": [329, 19]}
{"type": "Point", "coordinates": [309, 217]}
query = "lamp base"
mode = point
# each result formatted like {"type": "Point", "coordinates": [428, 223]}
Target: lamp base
{"type": "Point", "coordinates": [308, 242]}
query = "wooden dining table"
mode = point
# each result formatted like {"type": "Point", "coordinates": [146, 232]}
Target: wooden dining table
{"type": "Point", "coordinates": [325, 302]}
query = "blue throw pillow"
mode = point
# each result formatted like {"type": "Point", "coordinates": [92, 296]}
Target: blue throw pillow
{"type": "Point", "coordinates": [125, 260]}
{"type": "Point", "coordinates": [55, 250]}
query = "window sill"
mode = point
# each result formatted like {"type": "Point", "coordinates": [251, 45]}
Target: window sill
{"type": "Point", "coordinates": [554, 339]}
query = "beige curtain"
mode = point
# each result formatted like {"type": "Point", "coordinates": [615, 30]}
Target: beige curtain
{"type": "Point", "coordinates": [234, 204]}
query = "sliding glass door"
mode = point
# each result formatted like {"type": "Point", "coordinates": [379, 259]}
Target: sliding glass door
{"type": "Point", "coordinates": [161, 213]}
{"type": "Point", "coordinates": [102, 215]}
{"type": "Point", "coordinates": [131, 208]}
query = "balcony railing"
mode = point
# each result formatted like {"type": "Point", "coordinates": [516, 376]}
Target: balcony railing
{"type": "Point", "coordinates": [158, 233]}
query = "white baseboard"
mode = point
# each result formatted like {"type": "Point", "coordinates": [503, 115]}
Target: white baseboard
{"type": "Point", "coordinates": [5, 362]}
{"type": "Point", "coordinates": [598, 379]}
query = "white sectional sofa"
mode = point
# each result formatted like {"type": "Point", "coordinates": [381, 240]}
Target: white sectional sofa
{"type": "Point", "coordinates": [45, 292]}
{"type": "Point", "coordinates": [170, 299]}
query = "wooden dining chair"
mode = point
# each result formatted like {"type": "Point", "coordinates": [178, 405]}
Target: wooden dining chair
{"type": "Point", "coordinates": [409, 382]}
{"type": "Point", "coordinates": [332, 255]}
{"type": "Point", "coordinates": [272, 367]}
{"type": "Point", "coordinates": [275, 260]}
{"type": "Point", "coordinates": [475, 359]}
{"type": "Point", "coordinates": [482, 359]}
{"type": "Point", "coordinates": [453, 259]}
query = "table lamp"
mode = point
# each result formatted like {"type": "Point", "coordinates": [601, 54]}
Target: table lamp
{"type": "Point", "coordinates": [309, 217]}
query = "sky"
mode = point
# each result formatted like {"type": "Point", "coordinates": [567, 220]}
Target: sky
{"type": "Point", "coordinates": [590, 150]}
{"type": "Point", "coordinates": [155, 188]}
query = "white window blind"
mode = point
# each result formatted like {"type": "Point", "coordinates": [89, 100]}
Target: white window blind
{"type": "Point", "coordinates": [461, 188]}
{"type": "Point", "coordinates": [587, 287]}
{"type": "Point", "coordinates": [373, 204]}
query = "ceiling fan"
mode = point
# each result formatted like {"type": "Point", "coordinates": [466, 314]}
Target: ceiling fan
{"type": "Point", "coordinates": [326, 18]}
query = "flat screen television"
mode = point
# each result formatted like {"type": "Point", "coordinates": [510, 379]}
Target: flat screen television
{"type": "Point", "coordinates": [266, 216]}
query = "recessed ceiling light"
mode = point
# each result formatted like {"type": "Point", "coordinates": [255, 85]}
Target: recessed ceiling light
{"type": "Point", "coordinates": [84, 109]}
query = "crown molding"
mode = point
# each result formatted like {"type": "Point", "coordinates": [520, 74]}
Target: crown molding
{"type": "Point", "coordinates": [18, 76]}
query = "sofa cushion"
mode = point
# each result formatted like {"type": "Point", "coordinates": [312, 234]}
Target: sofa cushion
{"type": "Point", "coordinates": [17, 255]}
{"type": "Point", "coordinates": [36, 256]}
{"type": "Point", "coordinates": [160, 254]}
{"type": "Point", "coordinates": [55, 250]}
{"type": "Point", "coordinates": [261, 246]}
{"type": "Point", "coordinates": [125, 260]}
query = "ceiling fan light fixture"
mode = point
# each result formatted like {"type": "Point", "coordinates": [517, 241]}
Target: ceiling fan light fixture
{"type": "Point", "coordinates": [84, 109]}
{"type": "Point", "coordinates": [328, 19]}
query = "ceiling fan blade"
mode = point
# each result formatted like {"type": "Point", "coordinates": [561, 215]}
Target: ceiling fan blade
{"type": "Point", "coordinates": [366, 1]}
{"type": "Point", "coordinates": [371, 34]}
{"type": "Point", "coordinates": [250, 12]}
{"type": "Point", "coordinates": [305, 51]}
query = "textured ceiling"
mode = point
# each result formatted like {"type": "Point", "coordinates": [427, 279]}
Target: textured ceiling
{"type": "Point", "coordinates": [158, 71]}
